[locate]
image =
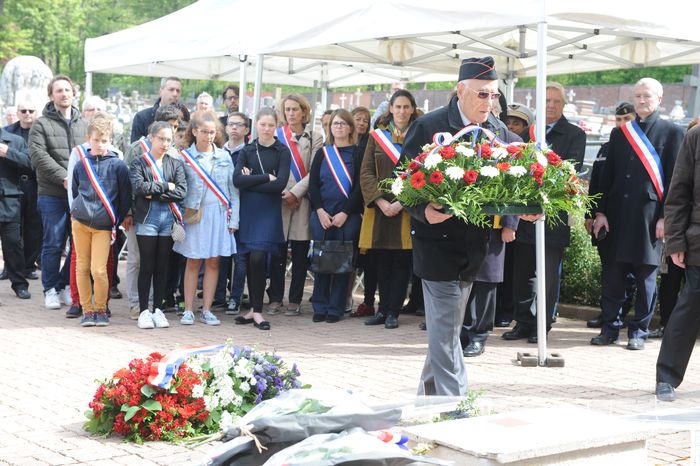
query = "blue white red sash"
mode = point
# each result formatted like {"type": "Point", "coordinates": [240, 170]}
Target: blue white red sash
{"type": "Point", "coordinates": [647, 154]}
{"type": "Point", "coordinates": [145, 144]}
{"type": "Point", "coordinates": [338, 169]}
{"type": "Point", "coordinates": [208, 180]}
{"type": "Point", "coordinates": [284, 134]}
{"type": "Point", "coordinates": [158, 177]}
{"type": "Point", "coordinates": [162, 373]}
{"type": "Point", "coordinates": [99, 189]}
{"type": "Point", "coordinates": [383, 138]}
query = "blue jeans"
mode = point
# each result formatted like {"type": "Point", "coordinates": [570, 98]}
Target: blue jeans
{"type": "Point", "coordinates": [55, 218]}
{"type": "Point", "coordinates": [158, 221]}
{"type": "Point", "coordinates": [240, 267]}
{"type": "Point", "coordinates": [330, 291]}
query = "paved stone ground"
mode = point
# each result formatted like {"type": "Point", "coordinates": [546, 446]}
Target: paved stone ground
{"type": "Point", "coordinates": [50, 365]}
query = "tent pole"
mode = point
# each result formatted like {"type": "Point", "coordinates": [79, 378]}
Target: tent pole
{"type": "Point", "coordinates": [314, 100]}
{"type": "Point", "coordinates": [88, 84]}
{"type": "Point", "coordinates": [324, 88]}
{"type": "Point", "coordinates": [258, 89]}
{"type": "Point", "coordinates": [243, 95]}
{"type": "Point", "coordinates": [539, 225]}
{"type": "Point", "coordinates": [510, 81]}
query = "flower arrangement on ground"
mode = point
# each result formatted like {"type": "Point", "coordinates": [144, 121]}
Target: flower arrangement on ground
{"type": "Point", "coordinates": [473, 174]}
{"type": "Point", "coordinates": [186, 394]}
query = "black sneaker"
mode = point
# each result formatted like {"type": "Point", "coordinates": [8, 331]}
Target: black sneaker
{"type": "Point", "coordinates": [74, 312]}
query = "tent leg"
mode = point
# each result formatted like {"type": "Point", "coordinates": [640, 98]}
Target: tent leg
{"type": "Point", "coordinates": [258, 89]}
{"type": "Point", "coordinates": [243, 95]}
{"type": "Point", "coordinates": [88, 84]}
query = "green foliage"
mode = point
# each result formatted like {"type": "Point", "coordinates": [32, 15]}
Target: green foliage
{"type": "Point", "coordinates": [580, 282]}
{"type": "Point", "coordinates": [665, 74]}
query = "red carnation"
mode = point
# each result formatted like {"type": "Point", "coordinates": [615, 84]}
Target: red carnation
{"type": "Point", "coordinates": [537, 170]}
{"type": "Point", "coordinates": [448, 152]}
{"type": "Point", "coordinates": [418, 180]}
{"type": "Point", "coordinates": [402, 176]}
{"type": "Point", "coordinates": [553, 158]}
{"type": "Point", "coordinates": [515, 151]}
{"type": "Point", "coordinates": [503, 166]}
{"type": "Point", "coordinates": [470, 176]}
{"type": "Point", "coordinates": [485, 150]}
{"type": "Point", "coordinates": [436, 177]}
{"type": "Point", "coordinates": [413, 166]}
{"type": "Point", "coordinates": [421, 157]}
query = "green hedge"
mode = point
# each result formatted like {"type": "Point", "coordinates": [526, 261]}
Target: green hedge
{"type": "Point", "coordinates": [580, 282]}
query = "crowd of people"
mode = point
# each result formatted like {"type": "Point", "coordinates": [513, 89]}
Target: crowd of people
{"type": "Point", "coordinates": [207, 211]}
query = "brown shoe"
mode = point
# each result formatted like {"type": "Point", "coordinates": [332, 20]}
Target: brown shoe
{"type": "Point", "coordinates": [363, 310]}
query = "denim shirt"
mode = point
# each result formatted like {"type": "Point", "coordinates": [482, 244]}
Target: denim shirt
{"type": "Point", "coordinates": [221, 173]}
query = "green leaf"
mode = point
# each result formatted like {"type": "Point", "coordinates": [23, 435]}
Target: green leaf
{"type": "Point", "coordinates": [148, 390]}
{"type": "Point", "coordinates": [131, 412]}
{"type": "Point", "coordinates": [152, 405]}
{"type": "Point", "coordinates": [125, 407]}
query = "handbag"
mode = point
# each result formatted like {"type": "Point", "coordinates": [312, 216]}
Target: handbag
{"type": "Point", "coordinates": [192, 216]}
{"type": "Point", "coordinates": [178, 232]}
{"type": "Point", "coordinates": [332, 256]}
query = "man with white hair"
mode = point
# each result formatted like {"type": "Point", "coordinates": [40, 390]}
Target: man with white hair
{"type": "Point", "coordinates": [204, 102]}
{"type": "Point", "coordinates": [11, 115]}
{"type": "Point", "coordinates": [636, 177]}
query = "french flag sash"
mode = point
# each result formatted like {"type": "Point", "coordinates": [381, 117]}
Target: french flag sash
{"type": "Point", "coordinates": [208, 180]}
{"type": "Point", "coordinates": [284, 134]}
{"type": "Point", "coordinates": [145, 144]}
{"type": "Point", "coordinates": [338, 169]}
{"type": "Point", "coordinates": [647, 154]}
{"type": "Point", "coordinates": [99, 189]}
{"type": "Point", "coordinates": [162, 373]}
{"type": "Point", "coordinates": [383, 138]}
{"type": "Point", "coordinates": [159, 178]}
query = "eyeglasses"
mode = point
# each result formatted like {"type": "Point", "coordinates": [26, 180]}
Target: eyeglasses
{"type": "Point", "coordinates": [339, 124]}
{"type": "Point", "coordinates": [27, 110]}
{"type": "Point", "coordinates": [236, 125]}
{"type": "Point", "coordinates": [231, 97]}
{"type": "Point", "coordinates": [486, 94]}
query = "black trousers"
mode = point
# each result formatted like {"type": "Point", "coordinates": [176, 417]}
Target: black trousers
{"type": "Point", "coordinates": [525, 282]}
{"type": "Point", "coordinates": [416, 296]}
{"type": "Point", "coordinates": [257, 276]}
{"type": "Point", "coordinates": [504, 295]}
{"type": "Point", "coordinates": [681, 331]}
{"type": "Point", "coordinates": [481, 311]}
{"type": "Point", "coordinates": [368, 263]}
{"type": "Point", "coordinates": [32, 230]}
{"type": "Point", "coordinates": [176, 273]}
{"type": "Point", "coordinates": [614, 295]}
{"type": "Point", "coordinates": [13, 253]}
{"type": "Point", "coordinates": [116, 247]}
{"type": "Point", "coordinates": [669, 287]}
{"type": "Point", "coordinates": [278, 268]}
{"type": "Point", "coordinates": [394, 267]}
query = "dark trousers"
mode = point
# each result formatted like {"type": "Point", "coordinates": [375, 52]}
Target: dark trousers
{"type": "Point", "coordinates": [525, 282]}
{"type": "Point", "coordinates": [176, 273]}
{"type": "Point", "coordinates": [155, 253]}
{"type": "Point", "coordinates": [368, 263]}
{"type": "Point", "coordinates": [394, 268]}
{"type": "Point", "coordinates": [257, 276]}
{"type": "Point", "coordinates": [630, 290]}
{"type": "Point", "coordinates": [614, 295]}
{"type": "Point", "coordinates": [13, 253]}
{"type": "Point", "coordinates": [278, 269]}
{"type": "Point", "coordinates": [32, 231]}
{"type": "Point", "coordinates": [481, 310]}
{"type": "Point", "coordinates": [416, 296]}
{"type": "Point", "coordinates": [681, 331]}
{"type": "Point", "coordinates": [669, 287]}
{"type": "Point", "coordinates": [116, 247]}
{"type": "Point", "coordinates": [504, 295]}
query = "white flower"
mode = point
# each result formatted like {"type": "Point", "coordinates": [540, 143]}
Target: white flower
{"type": "Point", "coordinates": [226, 420]}
{"type": "Point", "coordinates": [465, 150]}
{"type": "Point", "coordinates": [545, 199]}
{"type": "Point", "coordinates": [432, 160]}
{"type": "Point", "coordinates": [198, 391]}
{"type": "Point", "coordinates": [397, 186]}
{"type": "Point", "coordinates": [245, 386]}
{"type": "Point", "coordinates": [211, 402]}
{"type": "Point", "coordinates": [517, 171]}
{"type": "Point", "coordinates": [499, 152]}
{"type": "Point", "coordinates": [454, 173]}
{"type": "Point", "coordinates": [489, 171]}
{"type": "Point", "coordinates": [542, 159]}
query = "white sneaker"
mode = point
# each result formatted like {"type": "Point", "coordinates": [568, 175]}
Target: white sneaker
{"type": "Point", "coordinates": [65, 296]}
{"type": "Point", "coordinates": [51, 300]}
{"type": "Point", "coordinates": [145, 319]}
{"type": "Point", "coordinates": [159, 319]}
{"type": "Point", "coordinates": [187, 318]}
{"type": "Point", "coordinates": [134, 313]}
{"type": "Point", "coordinates": [208, 318]}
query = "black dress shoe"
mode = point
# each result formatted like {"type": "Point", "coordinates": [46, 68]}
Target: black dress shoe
{"type": "Point", "coordinates": [332, 319]}
{"type": "Point", "coordinates": [391, 322]}
{"type": "Point", "coordinates": [519, 332]}
{"type": "Point", "coordinates": [665, 391]}
{"type": "Point", "coordinates": [240, 320]}
{"type": "Point", "coordinates": [32, 275]}
{"type": "Point", "coordinates": [318, 317]}
{"type": "Point", "coordinates": [3, 275]}
{"type": "Point", "coordinates": [377, 319]}
{"type": "Point", "coordinates": [473, 349]}
{"type": "Point", "coordinates": [532, 339]}
{"type": "Point", "coordinates": [114, 293]}
{"type": "Point", "coordinates": [409, 308]}
{"type": "Point", "coordinates": [23, 293]}
{"type": "Point", "coordinates": [264, 325]}
{"type": "Point", "coordinates": [658, 333]}
{"type": "Point", "coordinates": [503, 323]}
{"type": "Point", "coordinates": [635, 344]}
{"type": "Point", "coordinates": [422, 326]}
{"type": "Point", "coordinates": [603, 340]}
{"type": "Point", "coordinates": [595, 323]}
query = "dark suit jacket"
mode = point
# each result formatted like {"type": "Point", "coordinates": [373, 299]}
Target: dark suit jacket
{"type": "Point", "coordinates": [13, 166]}
{"type": "Point", "coordinates": [451, 250]}
{"type": "Point", "coordinates": [629, 199]}
{"type": "Point", "coordinates": [569, 141]}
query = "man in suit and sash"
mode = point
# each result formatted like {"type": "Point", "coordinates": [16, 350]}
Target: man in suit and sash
{"type": "Point", "coordinates": [447, 253]}
{"type": "Point", "coordinates": [635, 179]}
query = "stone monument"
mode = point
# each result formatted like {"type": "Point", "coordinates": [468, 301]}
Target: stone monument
{"type": "Point", "coordinates": [25, 77]}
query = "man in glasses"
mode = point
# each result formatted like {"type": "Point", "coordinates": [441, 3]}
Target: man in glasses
{"type": "Point", "coordinates": [170, 91]}
{"type": "Point", "coordinates": [448, 253]}
{"type": "Point", "coordinates": [31, 220]}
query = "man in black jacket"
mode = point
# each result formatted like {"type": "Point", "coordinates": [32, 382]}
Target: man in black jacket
{"type": "Point", "coordinates": [569, 142]}
{"type": "Point", "coordinates": [14, 163]}
{"type": "Point", "coordinates": [170, 90]}
{"type": "Point", "coordinates": [636, 176]}
{"type": "Point", "coordinates": [447, 253]}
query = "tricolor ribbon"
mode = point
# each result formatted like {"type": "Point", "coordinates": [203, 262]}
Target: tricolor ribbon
{"type": "Point", "coordinates": [383, 138]}
{"type": "Point", "coordinates": [162, 372]}
{"type": "Point", "coordinates": [208, 180]}
{"type": "Point", "coordinates": [158, 177]}
{"type": "Point", "coordinates": [445, 139]}
{"type": "Point", "coordinates": [99, 189]}
{"type": "Point", "coordinates": [647, 154]}
{"type": "Point", "coordinates": [145, 144]}
{"type": "Point", "coordinates": [338, 169]}
{"type": "Point", "coordinates": [284, 134]}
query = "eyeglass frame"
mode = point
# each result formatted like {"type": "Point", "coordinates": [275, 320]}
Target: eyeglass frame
{"type": "Point", "coordinates": [340, 124]}
{"type": "Point", "coordinates": [483, 95]}
{"type": "Point", "coordinates": [26, 110]}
